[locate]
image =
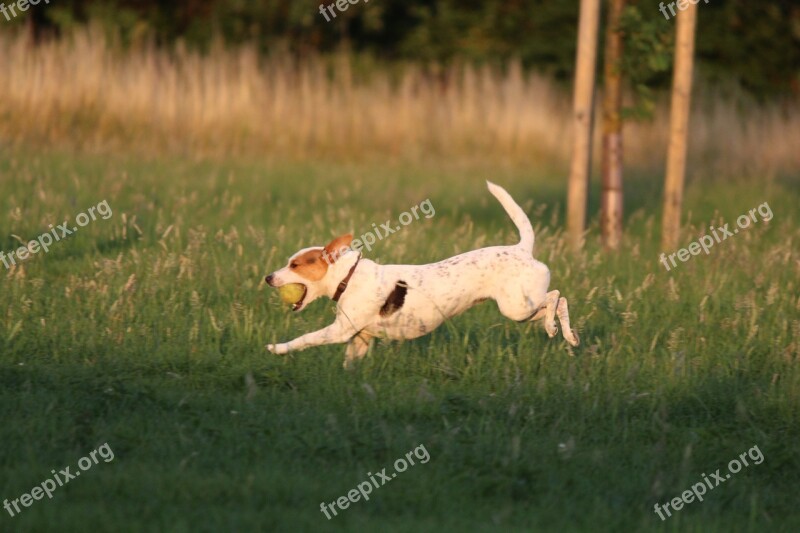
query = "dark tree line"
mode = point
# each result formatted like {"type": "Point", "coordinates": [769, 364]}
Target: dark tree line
{"type": "Point", "coordinates": [754, 43]}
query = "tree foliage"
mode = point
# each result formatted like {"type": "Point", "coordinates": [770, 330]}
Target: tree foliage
{"type": "Point", "coordinates": [756, 44]}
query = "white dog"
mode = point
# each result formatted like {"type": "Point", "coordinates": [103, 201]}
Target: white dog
{"type": "Point", "coordinates": [408, 301]}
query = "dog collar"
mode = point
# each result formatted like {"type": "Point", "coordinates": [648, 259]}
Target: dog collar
{"type": "Point", "coordinates": [343, 284]}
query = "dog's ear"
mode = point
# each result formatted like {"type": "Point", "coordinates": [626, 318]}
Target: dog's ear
{"type": "Point", "coordinates": [337, 246]}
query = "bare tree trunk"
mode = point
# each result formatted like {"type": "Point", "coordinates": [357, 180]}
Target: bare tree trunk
{"type": "Point", "coordinates": [583, 111]}
{"type": "Point", "coordinates": [679, 127]}
{"type": "Point", "coordinates": [611, 155]}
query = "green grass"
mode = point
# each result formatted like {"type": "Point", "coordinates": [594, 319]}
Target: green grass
{"type": "Point", "coordinates": [151, 339]}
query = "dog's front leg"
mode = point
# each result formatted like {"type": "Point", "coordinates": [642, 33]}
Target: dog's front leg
{"type": "Point", "coordinates": [336, 333]}
{"type": "Point", "coordinates": [356, 349]}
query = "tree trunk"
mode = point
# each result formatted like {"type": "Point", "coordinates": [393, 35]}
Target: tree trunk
{"type": "Point", "coordinates": [583, 111]}
{"type": "Point", "coordinates": [679, 127]}
{"type": "Point", "coordinates": [611, 192]}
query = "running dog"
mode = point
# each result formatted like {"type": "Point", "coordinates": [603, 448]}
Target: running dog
{"type": "Point", "coordinates": [407, 301]}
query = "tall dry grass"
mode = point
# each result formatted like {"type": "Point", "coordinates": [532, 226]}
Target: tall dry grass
{"type": "Point", "coordinates": [85, 91]}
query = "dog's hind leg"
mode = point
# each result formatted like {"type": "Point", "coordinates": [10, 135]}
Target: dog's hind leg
{"type": "Point", "coordinates": [555, 306]}
{"type": "Point", "coordinates": [516, 306]}
{"type": "Point", "coordinates": [540, 314]}
{"type": "Point", "coordinates": [356, 349]}
{"type": "Point", "coordinates": [551, 304]}
{"type": "Point", "coordinates": [563, 317]}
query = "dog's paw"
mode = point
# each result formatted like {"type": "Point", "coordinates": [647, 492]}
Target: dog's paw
{"type": "Point", "coordinates": [278, 349]}
{"type": "Point", "coordinates": [551, 329]}
{"type": "Point", "coordinates": [574, 339]}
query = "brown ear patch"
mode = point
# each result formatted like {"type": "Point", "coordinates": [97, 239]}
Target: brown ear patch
{"type": "Point", "coordinates": [395, 300]}
{"type": "Point", "coordinates": [309, 265]}
{"type": "Point", "coordinates": [336, 248]}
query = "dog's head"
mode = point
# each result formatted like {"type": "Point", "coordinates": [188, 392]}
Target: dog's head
{"type": "Point", "coordinates": [312, 268]}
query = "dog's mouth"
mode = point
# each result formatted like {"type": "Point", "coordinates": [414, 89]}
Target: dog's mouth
{"type": "Point", "coordinates": [299, 305]}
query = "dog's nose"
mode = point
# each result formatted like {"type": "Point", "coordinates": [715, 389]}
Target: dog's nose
{"type": "Point", "coordinates": [268, 279]}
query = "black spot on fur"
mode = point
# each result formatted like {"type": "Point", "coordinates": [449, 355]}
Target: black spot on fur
{"type": "Point", "coordinates": [395, 300]}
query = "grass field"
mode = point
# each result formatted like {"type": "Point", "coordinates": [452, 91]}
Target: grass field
{"type": "Point", "coordinates": [146, 331]}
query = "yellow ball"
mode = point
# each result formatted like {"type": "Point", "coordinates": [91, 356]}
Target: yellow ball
{"type": "Point", "coordinates": [292, 293]}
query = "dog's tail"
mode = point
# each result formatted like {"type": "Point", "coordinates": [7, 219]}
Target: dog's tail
{"type": "Point", "coordinates": [517, 215]}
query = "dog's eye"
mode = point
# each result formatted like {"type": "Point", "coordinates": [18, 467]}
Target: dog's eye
{"type": "Point", "coordinates": [293, 265]}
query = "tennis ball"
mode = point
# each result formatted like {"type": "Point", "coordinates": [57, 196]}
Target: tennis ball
{"type": "Point", "coordinates": [292, 293]}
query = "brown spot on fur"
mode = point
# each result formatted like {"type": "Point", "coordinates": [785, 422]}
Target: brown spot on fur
{"type": "Point", "coordinates": [395, 300]}
{"type": "Point", "coordinates": [310, 265]}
